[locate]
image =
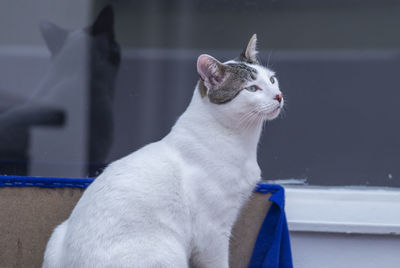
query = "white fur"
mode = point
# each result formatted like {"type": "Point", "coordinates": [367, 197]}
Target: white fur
{"type": "Point", "coordinates": [173, 202]}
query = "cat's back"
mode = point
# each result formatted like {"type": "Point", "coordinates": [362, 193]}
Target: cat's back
{"type": "Point", "coordinates": [138, 194]}
{"type": "Point", "coordinates": [140, 178]}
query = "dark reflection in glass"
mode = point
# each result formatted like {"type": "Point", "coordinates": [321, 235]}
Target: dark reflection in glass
{"type": "Point", "coordinates": [66, 123]}
{"type": "Point", "coordinates": [15, 124]}
{"type": "Point", "coordinates": [105, 57]}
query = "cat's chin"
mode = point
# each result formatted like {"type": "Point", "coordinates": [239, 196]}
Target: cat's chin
{"type": "Point", "coordinates": [273, 114]}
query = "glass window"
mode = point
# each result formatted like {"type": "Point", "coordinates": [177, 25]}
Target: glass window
{"type": "Point", "coordinates": [122, 82]}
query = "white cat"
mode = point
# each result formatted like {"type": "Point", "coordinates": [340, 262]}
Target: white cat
{"type": "Point", "coordinates": [173, 202]}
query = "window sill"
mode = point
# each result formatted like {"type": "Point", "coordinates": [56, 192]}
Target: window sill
{"type": "Point", "coordinates": [343, 210]}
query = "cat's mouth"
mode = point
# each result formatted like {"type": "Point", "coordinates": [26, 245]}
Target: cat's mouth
{"type": "Point", "coordinates": [274, 113]}
{"type": "Point", "coordinates": [277, 109]}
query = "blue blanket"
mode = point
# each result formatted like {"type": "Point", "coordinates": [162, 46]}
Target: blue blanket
{"type": "Point", "coordinates": [272, 248]}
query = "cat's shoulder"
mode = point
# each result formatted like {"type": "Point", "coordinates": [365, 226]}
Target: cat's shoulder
{"type": "Point", "coordinates": [154, 159]}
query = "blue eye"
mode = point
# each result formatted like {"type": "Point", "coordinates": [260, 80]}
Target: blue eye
{"type": "Point", "coordinates": [252, 88]}
{"type": "Point", "coordinates": [272, 79]}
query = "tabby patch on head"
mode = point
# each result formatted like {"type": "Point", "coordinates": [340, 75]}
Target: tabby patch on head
{"type": "Point", "coordinates": [222, 82]}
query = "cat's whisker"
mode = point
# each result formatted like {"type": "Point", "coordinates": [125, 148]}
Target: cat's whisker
{"type": "Point", "coordinates": [248, 117]}
{"type": "Point", "coordinates": [269, 56]}
{"type": "Point", "coordinates": [283, 113]}
{"type": "Point", "coordinates": [244, 119]}
{"type": "Point", "coordinates": [250, 120]}
{"type": "Point", "coordinates": [256, 116]}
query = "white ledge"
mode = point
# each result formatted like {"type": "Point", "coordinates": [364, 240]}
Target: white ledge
{"type": "Point", "coordinates": [342, 210]}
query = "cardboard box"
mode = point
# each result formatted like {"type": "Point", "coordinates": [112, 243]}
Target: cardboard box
{"type": "Point", "coordinates": [28, 216]}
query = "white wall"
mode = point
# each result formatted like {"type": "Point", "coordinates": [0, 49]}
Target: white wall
{"type": "Point", "coordinates": [344, 227]}
{"type": "Point", "coordinates": [333, 250]}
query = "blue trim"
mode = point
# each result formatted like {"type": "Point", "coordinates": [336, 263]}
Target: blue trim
{"type": "Point", "coordinates": [268, 188]}
{"type": "Point", "coordinates": [47, 182]}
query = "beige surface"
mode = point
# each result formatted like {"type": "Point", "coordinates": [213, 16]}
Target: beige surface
{"type": "Point", "coordinates": [245, 231]}
{"type": "Point", "coordinates": [29, 215]}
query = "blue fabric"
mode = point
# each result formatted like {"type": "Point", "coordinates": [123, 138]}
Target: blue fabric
{"type": "Point", "coordinates": [272, 247]}
{"type": "Point", "coordinates": [21, 181]}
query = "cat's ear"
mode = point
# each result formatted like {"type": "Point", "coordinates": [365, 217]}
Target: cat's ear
{"type": "Point", "coordinates": [104, 23]}
{"type": "Point", "coordinates": [249, 54]}
{"type": "Point", "coordinates": [211, 71]}
{"type": "Point", "coordinates": [53, 35]}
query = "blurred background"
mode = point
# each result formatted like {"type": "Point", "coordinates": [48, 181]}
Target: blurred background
{"type": "Point", "coordinates": [83, 84]}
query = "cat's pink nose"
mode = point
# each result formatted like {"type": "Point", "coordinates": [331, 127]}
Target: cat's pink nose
{"type": "Point", "coordinates": [279, 97]}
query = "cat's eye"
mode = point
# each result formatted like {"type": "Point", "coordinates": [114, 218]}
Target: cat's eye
{"type": "Point", "coordinates": [252, 88]}
{"type": "Point", "coordinates": [272, 79]}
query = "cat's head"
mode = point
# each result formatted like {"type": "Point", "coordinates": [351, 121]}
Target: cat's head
{"type": "Point", "coordinates": [240, 89]}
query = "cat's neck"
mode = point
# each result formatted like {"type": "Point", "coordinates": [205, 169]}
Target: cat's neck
{"type": "Point", "coordinates": [199, 125]}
